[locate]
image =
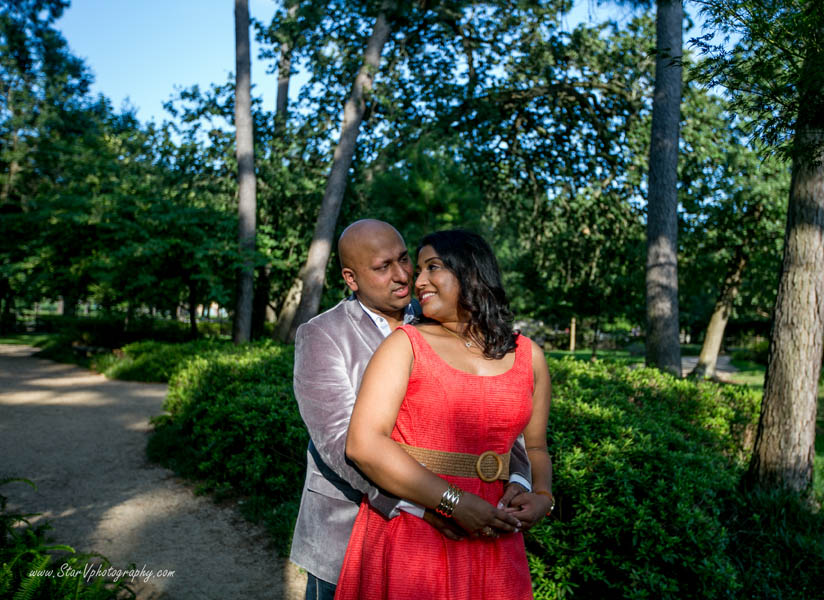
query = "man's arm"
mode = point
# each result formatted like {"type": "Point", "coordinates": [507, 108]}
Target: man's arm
{"type": "Point", "coordinates": [325, 398]}
{"type": "Point", "coordinates": [520, 471]}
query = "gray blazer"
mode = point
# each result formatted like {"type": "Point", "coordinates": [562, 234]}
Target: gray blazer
{"type": "Point", "coordinates": [331, 354]}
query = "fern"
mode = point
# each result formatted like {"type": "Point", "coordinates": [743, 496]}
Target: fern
{"type": "Point", "coordinates": [25, 556]}
{"type": "Point", "coordinates": [31, 583]}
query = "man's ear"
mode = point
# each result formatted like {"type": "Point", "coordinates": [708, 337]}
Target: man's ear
{"type": "Point", "coordinates": [349, 278]}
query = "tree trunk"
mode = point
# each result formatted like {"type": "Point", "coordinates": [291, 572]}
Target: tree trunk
{"type": "Point", "coordinates": [14, 166]}
{"type": "Point", "coordinates": [572, 335]}
{"type": "Point", "coordinates": [595, 338]}
{"type": "Point", "coordinates": [705, 368]}
{"type": "Point", "coordinates": [69, 305]}
{"type": "Point", "coordinates": [192, 311]}
{"type": "Point", "coordinates": [261, 313]}
{"type": "Point", "coordinates": [261, 302]}
{"type": "Point", "coordinates": [662, 344]}
{"type": "Point", "coordinates": [246, 175]}
{"type": "Point", "coordinates": [785, 441]}
{"type": "Point", "coordinates": [284, 73]}
{"type": "Point", "coordinates": [303, 299]}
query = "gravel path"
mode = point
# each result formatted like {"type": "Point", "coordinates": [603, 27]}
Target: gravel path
{"type": "Point", "coordinates": [81, 438]}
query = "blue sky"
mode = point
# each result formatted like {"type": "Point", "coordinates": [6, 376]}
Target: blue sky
{"type": "Point", "coordinates": [141, 50]}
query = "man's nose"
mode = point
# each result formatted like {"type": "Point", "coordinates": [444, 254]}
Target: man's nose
{"type": "Point", "coordinates": [399, 273]}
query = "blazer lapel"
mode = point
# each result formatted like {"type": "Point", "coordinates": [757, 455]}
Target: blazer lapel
{"type": "Point", "coordinates": [362, 323]}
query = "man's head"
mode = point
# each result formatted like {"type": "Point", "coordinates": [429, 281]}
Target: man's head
{"type": "Point", "coordinates": [375, 265]}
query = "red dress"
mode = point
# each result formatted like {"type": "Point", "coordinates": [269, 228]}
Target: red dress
{"type": "Point", "coordinates": [406, 558]}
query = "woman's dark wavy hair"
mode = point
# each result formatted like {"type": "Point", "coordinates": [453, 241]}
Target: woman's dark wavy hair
{"type": "Point", "coordinates": [482, 295]}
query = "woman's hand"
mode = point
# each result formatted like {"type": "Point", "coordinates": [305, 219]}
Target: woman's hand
{"type": "Point", "coordinates": [529, 508]}
{"type": "Point", "coordinates": [480, 518]}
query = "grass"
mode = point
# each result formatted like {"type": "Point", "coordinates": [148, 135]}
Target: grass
{"type": "Point", "coordinates": [623, 357]}
{"type": "Point", "coordinates": [27, 339]}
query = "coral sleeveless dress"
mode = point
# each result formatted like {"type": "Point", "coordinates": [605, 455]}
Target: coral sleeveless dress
{"type": "Point", "coordinates": [406, 558]}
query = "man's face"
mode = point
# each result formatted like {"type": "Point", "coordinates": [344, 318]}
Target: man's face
{"type": "Point", "coordinates": [381, 272]}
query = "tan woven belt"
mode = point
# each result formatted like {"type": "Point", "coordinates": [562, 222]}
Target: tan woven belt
{"type": "Point", "coordinates": [488, 466]}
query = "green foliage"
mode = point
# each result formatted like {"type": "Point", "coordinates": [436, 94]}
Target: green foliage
{"type": "Point", "coordinates": [773, 72]}
{"type": "Point", "coordinates": [644, 465]}
{"type": "Point", "coordinates": [234, 425]}
{"type": "Point", "coordinates": [32, 568]}
{"type": "Point", "coordinates": [113, 330]}
{"type": "Point", "coordinates": [646, 471]}
{"type": "Point", "coordinates": [754, 352]}
{"type": "Point", "coordinates": [152, 361]}
{"type": "Point", "coordinates": [777, 545]}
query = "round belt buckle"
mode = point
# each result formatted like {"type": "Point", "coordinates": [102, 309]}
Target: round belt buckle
{"type": "Point", "coordinates": [479, 466]}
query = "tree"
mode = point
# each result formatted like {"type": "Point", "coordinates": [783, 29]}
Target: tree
{"type": "Point", "coordinates": [732, 220]}
{"type": "Point", "coordinates": [304, 297]}
{"type": "Point", "coordinates": [776, 75]}
{"type": "Point", "coordinates": [247, 205]}
{"type": "Point", "coordinates": [42, 87]}
{"type": "Point", "coordinates": [662, 335]}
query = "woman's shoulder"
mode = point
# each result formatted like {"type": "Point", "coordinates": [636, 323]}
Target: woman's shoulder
{"type": "Point", "coordinates": [529, 345]}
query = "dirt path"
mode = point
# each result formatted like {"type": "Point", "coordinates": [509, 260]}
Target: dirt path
{"type": "Point", "coordinates": [723, 367]}
{"type": "Point", "coordinates": [81, 438]}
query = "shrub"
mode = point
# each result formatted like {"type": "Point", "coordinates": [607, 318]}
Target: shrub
{"type": "Point", "coordinates": [643, 463]}
{"type": "Point", "coordinates": [754, 352]}
{"type": "Point", "coordinates": [234, 425]}
{"type": "Point", "coordinates": [112, 331]}
{"type": "Point", "coordinates": [151, 360]}
{"type": "Point", "coordinates": [646, 471]}
{"type": "Point", "coordinates": [33, 568]}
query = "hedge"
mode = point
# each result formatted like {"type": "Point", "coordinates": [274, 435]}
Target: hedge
{"type": "Point", "coordinates": [646, 472]}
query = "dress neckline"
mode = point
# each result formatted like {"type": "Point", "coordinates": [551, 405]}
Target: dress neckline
{"type": "Point", "coordinates": [461, 371]}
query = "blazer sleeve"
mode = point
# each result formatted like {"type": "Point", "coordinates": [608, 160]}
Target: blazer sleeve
{"type": "Point", "coordinates": [519, 461]}
{"type": "Point", "coordinates": [325, 395]}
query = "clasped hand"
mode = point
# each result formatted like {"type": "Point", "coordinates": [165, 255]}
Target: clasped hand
{"type": "Point", "coordinates": [517, 510]}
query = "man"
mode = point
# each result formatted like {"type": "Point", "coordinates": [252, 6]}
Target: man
{"type": "Point", "coordinates": [331, 354]}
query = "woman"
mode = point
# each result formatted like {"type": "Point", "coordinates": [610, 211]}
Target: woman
{"type": "Point", "coordinates": [452, 393]}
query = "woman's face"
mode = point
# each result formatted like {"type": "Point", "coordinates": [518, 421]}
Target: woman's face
{"type": "Point", "coordinates": [436, 287]}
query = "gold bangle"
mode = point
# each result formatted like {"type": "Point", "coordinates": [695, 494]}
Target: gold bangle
{"type": "Point", "coordinates": [551, 500]}
{"type": "Point", "coordinates": [449, 500]}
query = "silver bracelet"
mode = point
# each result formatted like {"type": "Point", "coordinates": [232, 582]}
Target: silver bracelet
{"type": "Point", "coordinates": [449, 501]}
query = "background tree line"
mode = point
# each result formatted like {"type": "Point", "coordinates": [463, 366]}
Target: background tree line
{"type": "Point", "coordinates": [488, 115]}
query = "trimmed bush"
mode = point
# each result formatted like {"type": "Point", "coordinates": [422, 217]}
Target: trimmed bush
{"type": "Point", "coordinates": [153, 361]}
{"type": "Point", "coordinates": [235, 426]}
{"type": "Point", "coordinates": [646, 472]}
{"type": "Point", "coordinates": [755, 352]}
{"type": "Point", "coordinates": [110, 331]}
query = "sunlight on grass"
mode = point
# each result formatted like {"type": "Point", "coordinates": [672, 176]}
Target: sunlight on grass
{"type": "Point", "coordinates": [623, 357]}
{"type": "Point", "coordinates": [26, 339]}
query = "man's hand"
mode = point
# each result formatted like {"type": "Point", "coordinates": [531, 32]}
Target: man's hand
{"type": "Point", "coordinates": [528, 508]}
{"type": "Point", "coordinates": [511, 490]}
{"type": "Point", "coordinates": [446, 527]}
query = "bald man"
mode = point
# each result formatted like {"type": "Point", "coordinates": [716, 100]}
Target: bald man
{"type": "Point", "coordinates": [331, 354]}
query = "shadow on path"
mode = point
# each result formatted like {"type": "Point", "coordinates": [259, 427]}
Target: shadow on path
{"type": "Point", "coordinates": [81, 438]}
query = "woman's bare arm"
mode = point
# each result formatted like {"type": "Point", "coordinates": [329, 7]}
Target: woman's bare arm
{"type": "Point", "coordinates": [370, 446]}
